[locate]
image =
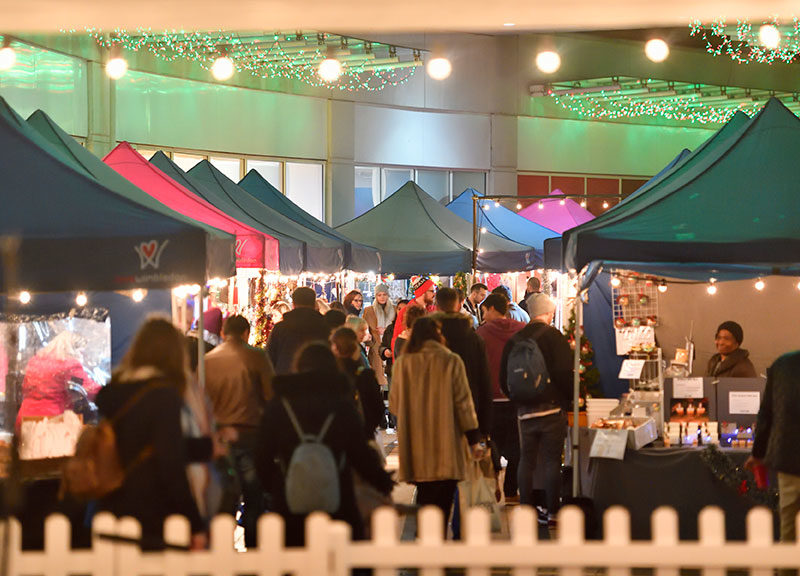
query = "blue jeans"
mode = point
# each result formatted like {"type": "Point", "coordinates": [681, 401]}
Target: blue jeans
{"type": "Point", "coordinates": [546, 435]}
{"type": "Point", "coordinates": [241, 454]}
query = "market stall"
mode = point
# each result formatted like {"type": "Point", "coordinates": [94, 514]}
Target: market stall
{"type": "Point", "coordinates": [556, 212]}
{"type": "Point", "coordinates": [358, 257]}
{"type": "Point", "coordinates": [415, 234]}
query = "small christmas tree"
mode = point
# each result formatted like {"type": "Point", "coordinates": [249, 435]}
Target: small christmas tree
{"type": "Point", "coordinates": [263, 322]}
{"type": "Point", "coordinates": [590, 375]}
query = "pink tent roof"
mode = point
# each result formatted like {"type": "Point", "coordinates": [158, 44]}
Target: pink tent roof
{"type": "Point", "coordinates": [254, 249]}
{"type": "Point", "coordinates": [555, 216]}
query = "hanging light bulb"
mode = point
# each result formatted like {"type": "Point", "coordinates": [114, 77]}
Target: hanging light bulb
{"type": "Point", "coordinates": [769, 36]}
{"type": "Point", "coordinates": [656, 50]}
{"type": "Point", "coordinates": [759, 285]}
{"type": "Point", "coordinates": [798, 285]}
{"type": "Point", "coordinates": [497, 204]}
{"type": "Point", "coordinates": [519, 206]}
{"type": "Point", "coordinates": [541, 205]}
{"type": "Point", "coordinates": [330, 69]}
{"type": "Point", "coordinates": [24, 297]}
{"type": "Point", "coordinates": [480, 250]}
{"type": "Point", "coordinates": [605, 205]}
{"type": "Point", "coordinates": [7, 55]}
{"type": "Point", "coordinates": [81, 299]}
{"type": "Point", "coordinates": [615, 281]}
{"type": "Point", "coordinates": [583, 203]}
{"type": "Point", "coordinates": [138, 295]}
{"type": "Point", "coordinates": [486, 206]}
{"type": "Point", "coordinates": [562, 202]}
{"type": "Point", "coordinates": [662, 287]}
{"type": "Point", "coordinates": [548, 61]}
{"type": "Point", "coordinates": [439, 68]}
{"type": "Point", "coordinates": [712, 288]}
{"type": "Point", "coordinates": [223, 68]}
{"type": "Point", "coordinates": [483, 230]}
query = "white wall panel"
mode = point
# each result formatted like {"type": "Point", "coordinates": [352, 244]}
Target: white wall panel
{"type": "Point", "coordinates": [415, 138]}
{"type": "Point", "coordinates": [186, 114]}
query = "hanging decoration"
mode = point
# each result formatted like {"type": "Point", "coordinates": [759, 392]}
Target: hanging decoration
{"type": "Point", "coordinates": [743, 43]}
{"type": "Point", "coordinates": [263, 320]}
{"type": "Point", "coordinates": [737, 478]}
{"type": "Point", "coordinates": [365, 65]}
{"type": "Point", "coordinates": [589, 374]}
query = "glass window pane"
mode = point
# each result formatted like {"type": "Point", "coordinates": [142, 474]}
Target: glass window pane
{"type": "Point", "coordinates": [304, 187]}
{"type": "Point", "coordinates": [394, 178]}
{"type": "Point", "coordinates": [147, 152]}
{"type": "Point", "coordinates": [367, 189]}
{"type": "Point", "coordinates": [464, 180]}
{"type": "Point", "coordinates": [270, 171]}
{"type": "Point", "coordinates": [436, 183]}
{"type": "Point", "coordinates": [231, 167]}
{"type": "Point", "coordinates": [186, 161]}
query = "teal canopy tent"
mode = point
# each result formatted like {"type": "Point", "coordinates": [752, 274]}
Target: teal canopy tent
{"type": "Point", "coordinates": [415, 234]}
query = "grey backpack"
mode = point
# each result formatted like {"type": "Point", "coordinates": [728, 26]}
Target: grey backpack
{"type": "Point", "coordinates": [312, 476]}
{"type": "Point", "coordinates": [528, 378]}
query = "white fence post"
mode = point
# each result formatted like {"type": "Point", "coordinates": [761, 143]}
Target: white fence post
{"type": "Point", "coordinates": [665, 534]}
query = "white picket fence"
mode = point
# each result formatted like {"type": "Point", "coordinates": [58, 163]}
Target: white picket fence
{"type": "Point", "coordinates": [329, 551]}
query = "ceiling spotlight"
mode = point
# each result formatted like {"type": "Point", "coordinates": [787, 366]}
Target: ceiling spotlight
{"type": "Point", "coordinates": [222, 68]}
{"type": "Point", "coordinates": [759, 285]}
{"type": "Point", "coordinates": [439, 68]}
{"type": "Point", "coordinates": [116, 67]}
{"type": "Point", "coordinates": [656, 50]}
{"type": "Point", "coordinates": [769, 36]}
{"type": "Point", "coordinates": [548, 61]}
{"type": "Point", "coordinates": [615, 281]}
{"type": "Point", "coordinates": [712, 289]}
{"type": "Point", "coordinates": [24, 297]}
{"type": "Point", "coordinates": [508, 24]}
{"type": "Point", "coordinates": [330, 69]}
{"type": "Point", "coordinates": [662, 287]}
{"type": "Point", "coordinates": [605, 205]}
{"type": "Point", "coordinates": [7, 55]}
{"type": "Point", "coordinates": [81, 299]}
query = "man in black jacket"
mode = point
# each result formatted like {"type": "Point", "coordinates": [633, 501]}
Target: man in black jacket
{"type": "Point", "coordinates": [777, 433]}
{"type": "Point", "coordinates": [543, 426]}
{"type": "Point", "coordinates": [462, 339]}
{"type": "Point", "coordinates": [301, 325]}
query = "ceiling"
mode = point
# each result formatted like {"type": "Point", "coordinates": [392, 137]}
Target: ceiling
{"type": "Point", "coordinates": [372, 16]}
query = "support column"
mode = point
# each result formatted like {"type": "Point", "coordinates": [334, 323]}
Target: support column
{"type": "Point", "coordinates": [340, 184]}
{"type": "Point", "coordinates": [101, 130]}
{"type": "Point", "coordinates": [503, 172]}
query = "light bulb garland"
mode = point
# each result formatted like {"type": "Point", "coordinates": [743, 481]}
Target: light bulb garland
{"type": "Point", "coordinates": [744, 44]}
{"type": "Point", "coordinates": [369, 66]}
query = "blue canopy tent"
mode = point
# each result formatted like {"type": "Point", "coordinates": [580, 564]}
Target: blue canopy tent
{"type": "Point", "coordinates": [415, 235]}
{"type": "Point", "coordinates": [290, 250]}
{"type": "Point", "coordinates": [74, 233]}
{"type": "Point", "coordinates": [358, 257]}
{"type": "Point", "coordinates": [502, 222]}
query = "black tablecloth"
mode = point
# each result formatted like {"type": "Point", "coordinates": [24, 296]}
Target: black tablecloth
{"type": "Point", "coordinates": [652, 477]}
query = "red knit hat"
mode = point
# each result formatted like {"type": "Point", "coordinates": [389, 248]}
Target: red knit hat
{"type": "Point", "coordinates": [420, 285]}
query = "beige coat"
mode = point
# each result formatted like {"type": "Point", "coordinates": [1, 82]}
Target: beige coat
{"type": "Point", "coordinates": [375, 360]}
{"type": "Point", "coordinates": [431, 398]}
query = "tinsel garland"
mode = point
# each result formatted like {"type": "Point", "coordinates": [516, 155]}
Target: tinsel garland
{"type": "Point", "coordinates": [263, 324]}
{"type": "Point", "coordinates": [736, 477]}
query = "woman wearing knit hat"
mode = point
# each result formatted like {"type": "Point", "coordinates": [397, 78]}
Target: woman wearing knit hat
{"type": "Point", "coordinates": [380, 315]}
{"type": "Point", "coordinates": [730, 361]}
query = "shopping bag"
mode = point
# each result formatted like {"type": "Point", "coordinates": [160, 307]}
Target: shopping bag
{"type": "Point", "coordinates": [477, 490]}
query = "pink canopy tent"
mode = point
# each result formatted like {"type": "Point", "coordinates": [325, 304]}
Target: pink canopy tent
{"type": "Point", "coordinates": [554, 216]}
{"type": "Point", "coordinates": [254, 249]}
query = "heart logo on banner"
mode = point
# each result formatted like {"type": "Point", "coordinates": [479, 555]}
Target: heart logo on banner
{"type": "Point", "coordinates": [148, 249]}
{"type": "Point", "coordinates": [150, 253]}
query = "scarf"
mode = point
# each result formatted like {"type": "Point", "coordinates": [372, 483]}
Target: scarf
{"type": "Point", "coordinates": [385, 313]}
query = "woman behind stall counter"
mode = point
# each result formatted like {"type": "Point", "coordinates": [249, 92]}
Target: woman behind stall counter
{"type": "Point", "coordinates": [730, 361]}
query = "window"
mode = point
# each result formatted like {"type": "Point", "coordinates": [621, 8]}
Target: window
{"type": "Point", "coordinates": [367, 189]}
{"type": "Point", "coordinates": [186, 161]}
{"type": "Point", "coordinates": [304, 187]}
{"type": "Point", "coordinates": [394, 178]}
{"type": "Point", "coordinates": [231, 167]}
{"type": "Point", "coordinates": [436, 183]}
{"type": "Point", "coordinates": [270, 171]}
{"type": "Point", "coordinates": [147, 152]}
{"type": "Point", "coordinates": [464, 180]}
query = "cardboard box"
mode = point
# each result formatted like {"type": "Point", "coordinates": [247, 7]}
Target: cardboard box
{"type": "Point", "coordinates": [644, 432]}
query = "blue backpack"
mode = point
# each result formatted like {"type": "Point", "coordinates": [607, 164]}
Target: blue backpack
{"type": "Point", "coordinates": [527, 375]}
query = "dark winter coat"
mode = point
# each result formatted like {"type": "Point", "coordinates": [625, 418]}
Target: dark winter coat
{"type": "Point", "coordinates": [369, 395]}
{"type": "Point", "coordinates": [778, 425]}
{"type": "Point", "coordinates": [157, 486]}
{"type": "Point", "coordinates": [298, 327]}
{"type": "Point", "coordinates": [313, 396]}
{"type": "Point", "coordinates": [462, 339]}
{"type": "Point", "coordinates": [736, 365]}
{"type": "Point", "coordinates": [558, 358]}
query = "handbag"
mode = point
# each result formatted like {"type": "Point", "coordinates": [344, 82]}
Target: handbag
{"type": "Point", "coordinates": [477, 490]}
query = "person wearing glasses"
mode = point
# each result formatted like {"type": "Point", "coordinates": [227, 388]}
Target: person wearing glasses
{"type": "Point", "coordinates": [354, 303]}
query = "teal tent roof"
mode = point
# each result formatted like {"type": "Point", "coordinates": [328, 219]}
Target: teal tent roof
{"type": "Point", "coordinates": [730, 210]}
{"type": "Point", "coordinates": [417, 235]}
{"type": "Point", "coordinates": [358, 257]}
{"type": "Point", "coordinates": [75, 233]}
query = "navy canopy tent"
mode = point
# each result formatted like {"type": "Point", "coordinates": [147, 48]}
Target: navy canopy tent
{"type": "Point", "coordinates": [502, 222]}
{"type": "Point", "coordinates": [75, 233]}
{"type": "Point", "coordinates": [415, 234]}
{"type": "Point", "coordinates": [358, 257]}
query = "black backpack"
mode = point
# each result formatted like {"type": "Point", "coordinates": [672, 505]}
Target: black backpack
{"type": "Point", "coordinates": [527, 375]}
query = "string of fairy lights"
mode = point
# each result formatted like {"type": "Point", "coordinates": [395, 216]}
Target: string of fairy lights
{"type": "Point", "coordinates": [745, 43]}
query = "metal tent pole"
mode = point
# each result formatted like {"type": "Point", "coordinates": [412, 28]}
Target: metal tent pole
{"type": "Point", "coordinates": [474, 234]}
{"type": "Point", "coordinates": [576, 392]}
{"type": "Point", "coordinates": [201, 343]}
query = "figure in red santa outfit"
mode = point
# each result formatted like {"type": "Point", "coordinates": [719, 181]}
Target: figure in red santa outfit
{"type": "Point", "coordinates": [424, 291]}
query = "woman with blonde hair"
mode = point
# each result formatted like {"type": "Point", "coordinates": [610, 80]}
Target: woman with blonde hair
{"type": "Point", "coordinates": [144, 401]}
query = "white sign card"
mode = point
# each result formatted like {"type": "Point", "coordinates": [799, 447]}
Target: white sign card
{"type": "Point", "coordinates": [633, 336]}
{"type": "Point", "coordinates": [631, 369]}
{"type": "Point", "coordinates": [687, 388]}
{"type": "Point", "coordinates": [609, 444]}
{"type": "Point", "coordinates": [744, 402]}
